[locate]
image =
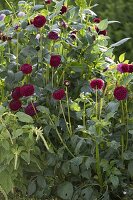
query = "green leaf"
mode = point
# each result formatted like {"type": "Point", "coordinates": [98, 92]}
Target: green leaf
{"type": "Point", "coordinates": [114, 180]}
{"type": "Point", "coordinates": [81, 3]}
{"type": "Point", "coordinates": [18, 76]}
{"type": "Point", "coordinates": [130, 168]}
{"type": "Point", "coordinates": [17, 133]}
{"type": "Point", "coordinates": [112, 106]}
{"type": "Point", "coordinates": [43, 109]}
{"type": "Point", "coordinates": [31, 188]}
{"type": "Point", "coordinates": [22, 117]}
{"type": "Point", "coordinates": [2, 110]}
{"type": "Point", "coordinates": [120, 42]}
{"type": "Point", "coordinates": [6, 181]}
{"type": "Point", "coordinates": [127, 79]}
{"type": "Point", "coordinates": [103, 25]}
{"type": "Point", "coordinates": [26, 156]}
{"type": "Point", "coordinates": [87, 193]}
{"type": "Point", "coordinates": [38, 7]}
{"type": "Point", "coordinates": [65, 190]}
{"type": "Point", "coordinates": [122, 57]}
{"type": "Point", "coordinates": [75, 107]}
{"type": "Point", "coordinates": [41, 182]}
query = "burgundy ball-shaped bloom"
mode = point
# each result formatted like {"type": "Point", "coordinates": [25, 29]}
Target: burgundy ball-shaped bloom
{"type": "Point", "coordinates": [123, 68]}
{"type": "Point", "coordinates": [15, 105]}
{"type": "Point", "coordinates": [97, 83]}
{"type": "Point", "coordinates": [27, 90]}
{"type": "Point", "coordinates": [96, 20]}
{"type": "Point", "coordinates": [16, 93]}
{"type": "Point", "coordinates": [130, 70]}
{"type": "Point", "coordinates": [39, 21]}
{"type": "Point", "coordinates": [104, 32]}
{"type": "Point", "coordinates": [59, 94]}
{"type": "Point", "coordinates": [48, 1]}
{"type": "Point", "coordinates": [53, 35]}
{"type": "Point", "coordinates": [31, 109]}
{"type": "Point", "coordinates": [120, 93]}
{"type": "Point", "coordinates": [26, 68]}
{"type": "Point", "coordinates": [55, 60]}
{"type": "Point", "coordinates": [63, 10]}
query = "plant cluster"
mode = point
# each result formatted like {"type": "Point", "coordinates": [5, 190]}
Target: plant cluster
{"type": "Point", "coordinates": [66, 105]}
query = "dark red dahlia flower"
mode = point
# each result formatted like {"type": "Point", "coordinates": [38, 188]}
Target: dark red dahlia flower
{"type": "Point", "coordinates": [120, 93]}
{"type": "Point", "coordinates": [53, 35]}
{"type": "Point", "coordinates": [130, 70]}
{"type": "Point", "coordinates": [123, 68]}
{"type": "Point", "coordinates": [104, 32]}
{"type": "Point", "coordinates": [27, 90]}
{"type": "Point", "coordinates": [15, 105]}
{"type": "Point", "coordinates": [63, 10]}
{"type": "Point", "coordinates": [59, 94]}
{"type": "Point", "coordinates": [96, 20]}
{"type": "Point", "coordinates": [26, 68]}
{"type": "Point", "coordinates": [31, 109]}
{"type": "Point", "coordinates": [16, 93]}
{"type": "Point", "coordinates": [97, 83]}
{"type": "Point", "coordinates": [39, 21]}
{"type": "Point", "coordinates": [55, 60]}
{"type": "Point", "coordinates": [48, 1]}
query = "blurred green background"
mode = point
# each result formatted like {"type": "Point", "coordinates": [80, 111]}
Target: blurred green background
{"type": "Point", "coordinates": [120, 10]}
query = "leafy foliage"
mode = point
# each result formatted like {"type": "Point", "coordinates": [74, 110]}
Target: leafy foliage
{"type": "Point", "coordinates": [74, 145]}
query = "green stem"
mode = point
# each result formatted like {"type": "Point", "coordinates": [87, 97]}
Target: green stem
{"type": "Point", "coordinates": [58, 134]}
{"type": "Point", "coordinates": [122, 134]}
{"type": "Point", "coordinates": [96, 103]}
{"type": "Point", "coordinates": [84, 112]}
{"type": "Point", "coordinates": [15, 161]}
{"type": "Point", "coordinates": [45, 142]}
{"type": "Point", "coordinates": [126, 125]}
{"type": "Point", "coordinates": [64, 117]}
{"type": "Point", "coordinates": [17, 49]}
{"type": "Point", "coordinates": [52, 77]}
{"type": "Point", "coordinates": [68, 111]}
{"type": "Point", "coordinates": [98, 165]}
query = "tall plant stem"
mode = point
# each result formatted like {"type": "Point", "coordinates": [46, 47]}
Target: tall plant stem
{"type": "Point", "coordinates": [126, 125]}
{"type": "Point", "coordinates": [84, 112]}
{"type": "Point", "coordinates": [68, 111]}
{"type": "Point", "coordinates": [122, 134]}
{"type": "Point", "coordinates": [41, 46]}
{"type": "Point", "coordinates": [64, 117]}
{"type": "Point", "coordinates": [59, 136]}
{"type": "Point", "coordinates": [98, 168]}
{"type": "Point", "coordinates": [17, 49]}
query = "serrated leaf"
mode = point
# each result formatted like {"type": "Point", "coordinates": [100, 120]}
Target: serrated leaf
{"type": "Point", "coordinates": [24, 117]}
{"type": "Point", "coordinates": [120, 42]}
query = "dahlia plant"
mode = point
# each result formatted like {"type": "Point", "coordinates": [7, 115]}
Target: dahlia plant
{"type": "Point", "coordinates": [66, 104]}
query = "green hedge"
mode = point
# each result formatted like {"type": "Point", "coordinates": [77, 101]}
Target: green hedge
{"type": "Point", "coordinates": [121, 10]}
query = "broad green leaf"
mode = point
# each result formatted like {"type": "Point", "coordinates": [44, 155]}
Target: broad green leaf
{"type": "Point", "coordinates": [38, 7]}
{"type": "Point", "coordinates": [43, 109]}
{"type": "Point", "coordinates": [41, 182]}
{"type": "Point", "coordinates": [120, 42]}
{"type": "Point", "coordinates": [122, 57]}
{"type": "Point", "coordinates": [81, 3]}
{"type": "Point", "coordinates": [65, 190]}
{"type": "Point", "coordinates": [114, 180]}
{"type": "Point", "coordinates": [24, 117]}
{"type": "Point", "coordinates": [112, 106]}
{"type": "Point", "coordinates": [6, 181]}
{"type": "Point", "coordinates": [31, 188]}
{"type": "Point", "coordinates": [103, 25]}
{"type": "Point", "coordinates": [127, 79]}
{"type": "Point", "coordinates": [75, 107]}
{"type": "Point", "coordinates": [86, 193]}
{"type": "Point", "coordinates": [2, 110]}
